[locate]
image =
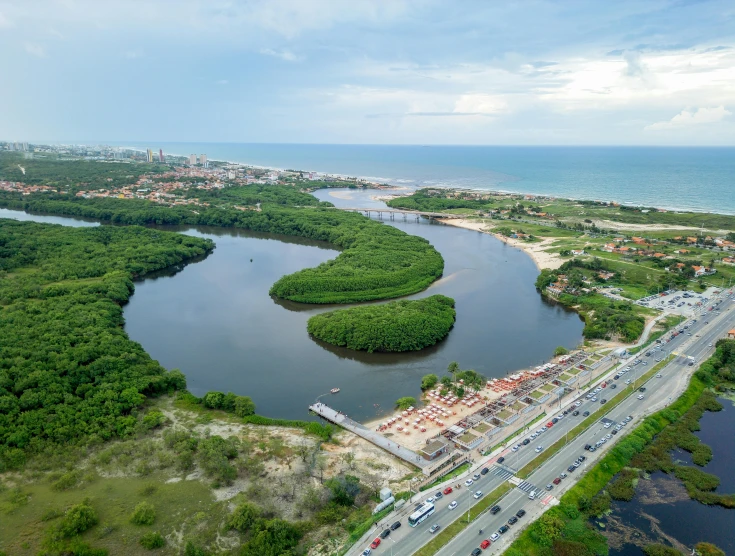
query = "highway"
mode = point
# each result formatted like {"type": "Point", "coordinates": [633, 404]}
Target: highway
{"type": "Point", "coordinates": [660, 392]}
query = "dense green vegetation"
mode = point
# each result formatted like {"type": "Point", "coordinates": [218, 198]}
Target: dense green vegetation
{"type": "Point", "coordinates": [604, 318]}
{"type": "Point", "coordinates": [394, 326]}
{"type": "Point", "coordinates": [257, 193]}
{"type": "Point", "coordinates": [73, 174]}
{"type": "Point", "coordinates": [648, 448]}
{"type": "Point", "coordinates": [377, 261]}
{"type": "Point", "coordinates": [421, 200]}
{"type": "Point", "coordinates": [67, 369]}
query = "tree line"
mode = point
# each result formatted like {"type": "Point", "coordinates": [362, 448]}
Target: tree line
{"type": "Point", "coordinates": [377, 261]}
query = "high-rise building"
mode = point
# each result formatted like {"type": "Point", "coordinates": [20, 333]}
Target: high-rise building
{"type": "Point", "coordinates": [192, 160]}
{"type": "Point", "coordinates": [203, 159]}
{"type": "Point", "coordinates": [150, 155]}
{"type": "Point", "coordinates": [160, 156]}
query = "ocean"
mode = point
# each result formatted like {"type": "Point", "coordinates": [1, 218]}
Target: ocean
{"type": "Point", "coordinates": [700, 179]}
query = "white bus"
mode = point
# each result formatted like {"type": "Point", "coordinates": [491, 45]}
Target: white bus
{"type": "Point", "coordinates": [421, 513]}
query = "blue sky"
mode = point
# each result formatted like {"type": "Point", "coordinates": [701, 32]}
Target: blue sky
{"type": "Point", "coordinates": [369, 71]}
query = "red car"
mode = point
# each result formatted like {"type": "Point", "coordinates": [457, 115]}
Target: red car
{"type": "Point", "coordinates": [484, 544]}
{"type": "Point", "coordinates": [448, 490]}
{"type": "Point", "coordinates": [375, 544]}
{"type": "Point", "coordinates": [549, 425]}
{"type": "Point", "coordinates": [604, 385]}
{"type": "Point", "coordinates": [557, 481]}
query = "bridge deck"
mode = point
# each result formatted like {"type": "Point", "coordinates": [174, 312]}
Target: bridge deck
{"type": "Point", "coordinates": [402, 211]}
{"type": "Point", "coordinates": [375, 437]}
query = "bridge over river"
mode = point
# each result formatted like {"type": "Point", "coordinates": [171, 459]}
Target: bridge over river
{"type": "Point", "coordinates": [403, 212]}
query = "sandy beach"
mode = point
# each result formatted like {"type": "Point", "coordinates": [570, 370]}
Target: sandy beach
{"type": "Point", "coordinates": [536, 250]}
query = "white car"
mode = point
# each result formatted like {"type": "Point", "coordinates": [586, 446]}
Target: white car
{"type": "Point", "coordinates": [494, 537]}
{"type": "Point", "coordinates": [539, 448]}
{"type": "Point", "coordinates": [658, 375]}
{"type": "Point", "coordinates": [608, 425]}
{"type": "Point", "coordinates": [430, 500]}
{"type": "Point", "coordinates": [477, 494]}
{"type": "Point", "coordinates": [468, 482]}
{"type": "Point", "coordinates": [452, 505]}
{"type": "Point", "coordinates": [640, 396]}
{"type": "Point", "coordinates": [628, 381]}
{"type": "Point", "coordinates": [514, 449]}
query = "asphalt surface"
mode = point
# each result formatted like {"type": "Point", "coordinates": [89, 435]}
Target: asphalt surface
{"type": "Point", "coordinates": [660, 392]}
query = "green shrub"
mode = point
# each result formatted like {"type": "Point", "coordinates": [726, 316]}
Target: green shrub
{"type": "Point", "coordinates": [153, 419]}
{"type": "Point", "coordinates": [143, 514]}
{"type": "Point", "coordinates": [243, 517]}
{"type": "Point", "coordinates": [77, 519]}
{"type": "Point", "coordinates": [152, 540]}
{"type": "Point", "coordinates": [660, 550]}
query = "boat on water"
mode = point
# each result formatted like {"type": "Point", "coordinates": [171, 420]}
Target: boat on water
{"type": "Point", "coordinates": [334, 390]}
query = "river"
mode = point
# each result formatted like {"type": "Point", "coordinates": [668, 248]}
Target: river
{"type": "Point", "coordinates": [215, 321]}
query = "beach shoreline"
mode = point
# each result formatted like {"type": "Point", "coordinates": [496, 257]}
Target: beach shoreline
{"type": "Point", "coordinates": [536, 251]}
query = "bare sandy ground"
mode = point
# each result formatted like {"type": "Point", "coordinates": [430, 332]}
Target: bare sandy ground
{"type": "Point", "coordinates": [537, 251]}
{"type": "Point", "coordinates": [610, 224]}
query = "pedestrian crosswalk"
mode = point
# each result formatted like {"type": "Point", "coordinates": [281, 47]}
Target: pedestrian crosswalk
{"type": "Point", "coordinates": [525, 486]}
{"type": "Point", "coordinates": [502, 473]}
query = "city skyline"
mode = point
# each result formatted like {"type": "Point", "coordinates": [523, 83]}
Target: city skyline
{"type": "Point", "coordinates": [375, 72]}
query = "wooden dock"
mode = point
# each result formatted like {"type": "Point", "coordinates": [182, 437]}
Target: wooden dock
{"type": "Point", "coordinates": [387, 444]}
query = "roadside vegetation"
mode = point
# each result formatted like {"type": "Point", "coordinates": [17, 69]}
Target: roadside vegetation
{"type": "Point", "coordinates": [647, 448]}
{"type": "Point", "coordinates": [390, 327]}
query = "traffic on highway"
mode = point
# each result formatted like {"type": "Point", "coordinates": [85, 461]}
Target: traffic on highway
{"type": "Point", "coordinates": [691, 343]}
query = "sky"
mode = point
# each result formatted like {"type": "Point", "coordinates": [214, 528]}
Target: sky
{"type": "Point", "coordinates": [643, 72]}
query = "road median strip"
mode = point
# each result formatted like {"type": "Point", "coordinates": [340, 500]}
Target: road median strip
{"type": "Point", "coordinates": [525, 471]}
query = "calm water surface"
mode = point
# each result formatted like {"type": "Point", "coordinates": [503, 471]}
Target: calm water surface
{"type": "Point", "coordinates": [215, 321]}
{"type": "Point", "coordinates": [688, 521]}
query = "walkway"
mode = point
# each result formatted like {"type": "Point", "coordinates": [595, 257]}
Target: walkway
{"type": "Point", "coordinates": [375, 437]}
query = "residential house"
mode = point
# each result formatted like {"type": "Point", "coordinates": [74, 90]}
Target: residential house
{"type": "Point", "coordinates": [728, 260]}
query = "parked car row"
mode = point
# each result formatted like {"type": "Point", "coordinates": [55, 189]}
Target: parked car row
{"type": "Point", "coordinates": [485, 544]}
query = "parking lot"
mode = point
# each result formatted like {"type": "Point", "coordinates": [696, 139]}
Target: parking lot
{"type": "Point", "coordinates": [684, 303]}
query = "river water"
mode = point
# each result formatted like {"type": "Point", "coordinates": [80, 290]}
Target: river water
{"type": "Point", "coordinates": [215, 321]}
{"type": "Point", "coordinates": [686, 520]}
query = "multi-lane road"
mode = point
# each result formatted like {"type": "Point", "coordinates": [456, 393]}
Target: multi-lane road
{"type": "Point", "coordinates": [659, 392]}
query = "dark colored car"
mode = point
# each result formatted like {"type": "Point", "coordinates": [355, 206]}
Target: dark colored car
{"type": "Point", "coordinates": [614, 432]}
{"type": "Point", "coordinates": [587, 446]}
{"type": "Point", "coordinates": [501, 459]}
{"type": "Point", "coordinates": [494, 510]}
{"type": "Point", "coordinates": [476, 552]}
{"type": "Point", "coordinates": [571, 468]}
{"type": "Point", "coordinates": [520, 513]}
{"type": "Point", "coordinates": [526, 441]}
{"type": "Point", "coordinates": [603, 401]}
{"type": "Point", "coordinates": [616, 377]}
{"type": "Point", "coordinates": [582, 458]}
{"type": "Point", "coordinates": [438, 495]}
{"type": "Point", "coordinates": [642, 389]}
{"type": "Point", "coordinates": [513, 519]}
{"type": "Point", "coordinates": [575, 413]}
{"type": "Point", "coordinates": [614, 386]}
{"type": "Point", "coordinates": [395, 526]}
{"type": "Point", "coordinates": [586, 414]}
{"type": "Point", "coordinates": [385, 533]}
{"type": "Point", "coordinates": [503, 529]}
{"type": "Point", "coordinates": [484, 471]}
{"type": "Point", "coordinates": [555, 420]}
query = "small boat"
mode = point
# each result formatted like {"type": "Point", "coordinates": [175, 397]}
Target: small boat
{"type": "Point", "coordinates": [334, 390]}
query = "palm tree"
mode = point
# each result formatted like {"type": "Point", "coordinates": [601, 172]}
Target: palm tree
{"type": "Point", "coordinates": [453, 369]}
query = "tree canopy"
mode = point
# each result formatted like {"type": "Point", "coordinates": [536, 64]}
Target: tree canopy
{"type": "Point", "coordinates": [67, 368]}
{"type": "Point", "coordinates": [394, 326]}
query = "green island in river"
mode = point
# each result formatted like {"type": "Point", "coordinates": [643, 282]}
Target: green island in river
{"type": "Point", "coordinates": [389, 327]}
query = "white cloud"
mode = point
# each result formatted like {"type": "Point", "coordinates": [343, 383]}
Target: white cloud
{"type": "Point", "coordinates": [4, 21]}
{"type": "Point", "coordinates": [284, 54]}
{"type": "Point", "coordinates": [688, 118]}
{"type": "Point", "coordinates": [480, 104]}
{"type": "Point", "coordinates": [34, 49]}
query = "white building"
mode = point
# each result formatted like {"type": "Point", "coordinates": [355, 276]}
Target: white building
{"type": "Point", "coordinates": [192, 160]}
